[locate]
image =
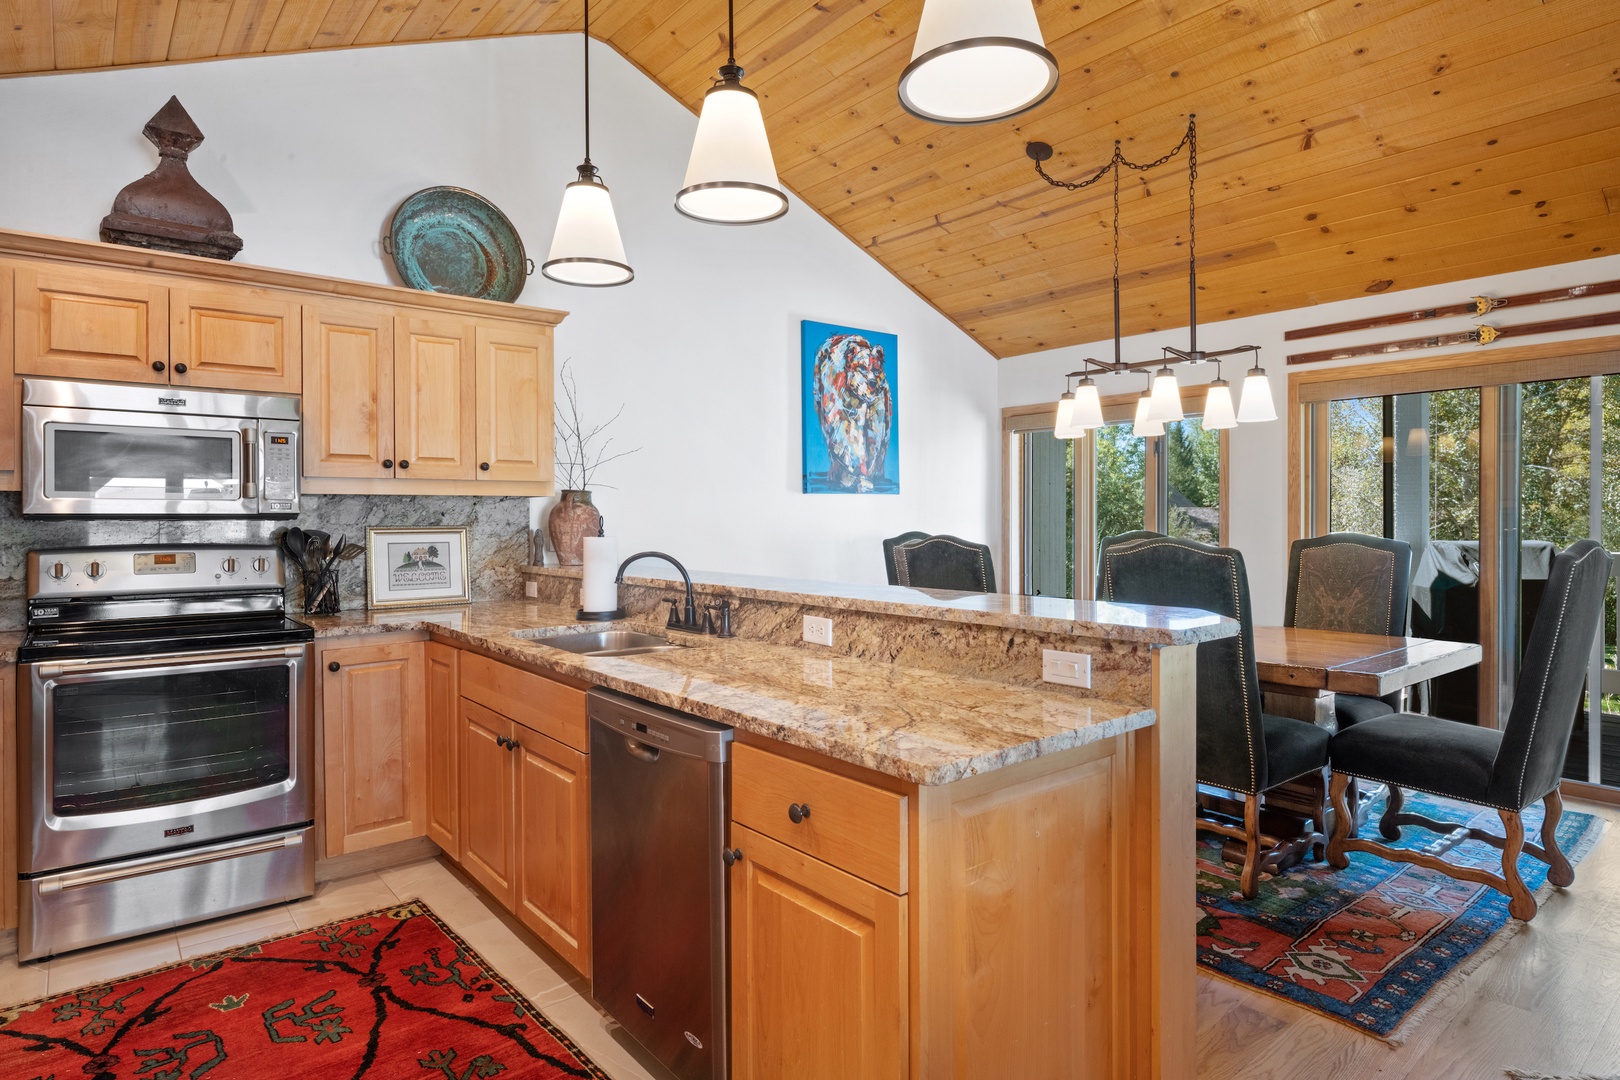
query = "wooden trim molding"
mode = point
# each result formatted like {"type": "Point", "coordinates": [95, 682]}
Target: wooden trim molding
{"type": "Point", "coordinates": [93, 253]}
{"type": "Point", "coordinates": [1528, 363]}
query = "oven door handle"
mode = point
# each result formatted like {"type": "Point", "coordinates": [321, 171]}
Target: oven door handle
{"type": "Point", "coordinates": [122, 664]}
{"type": "Point", "coordinates": [157, 864]}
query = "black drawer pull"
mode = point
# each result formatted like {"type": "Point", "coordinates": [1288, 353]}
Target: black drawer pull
{"type": "Point", "coordinates": [179, 369]}
{"type": "Point", "coordinates": [484, 465]}
{"type": "Point", "coordinates": [157, 365]}
{"type": "Point", "coordinates": [333, 666]}
{"type": "Point", "coordinates": [797, 812]}
{"type": "Point", "coordinates": [404, 464]}
{"type": "Point", "coordinates": [388, 463]}
{"type": "Point", "coordinates": [731, 856]}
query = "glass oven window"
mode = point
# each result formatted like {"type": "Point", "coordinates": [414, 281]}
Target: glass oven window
{"type": "Point", "coordinates": [153, 740]}
{"type": "Point", "coordinates": [141, 463]}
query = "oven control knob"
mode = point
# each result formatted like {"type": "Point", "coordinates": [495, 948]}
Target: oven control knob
{"type": "Point", "coordinates": [261, 565]}
{"type": "Point", "coordinates": [58, 571]}
{"type": "Point", "coordinates": [229, 566]}
{"type": "Point", "coordinates": [95, 570]}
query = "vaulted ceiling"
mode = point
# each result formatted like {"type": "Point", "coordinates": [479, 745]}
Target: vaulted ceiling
{"type": "Point", "coordinates": [1346, 146]}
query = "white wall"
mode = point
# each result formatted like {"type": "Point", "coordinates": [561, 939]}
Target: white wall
{"type": "Point", "coordinates": [1259, 457]}
{"type": "Point", "coordinates": [312, 152]}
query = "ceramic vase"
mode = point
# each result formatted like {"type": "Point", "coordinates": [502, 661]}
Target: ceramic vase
{"type": "Point", "coordinates": [571, 521]}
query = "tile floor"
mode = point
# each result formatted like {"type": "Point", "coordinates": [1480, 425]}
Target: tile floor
{"type": "Point", "coordinates": [514, 952]}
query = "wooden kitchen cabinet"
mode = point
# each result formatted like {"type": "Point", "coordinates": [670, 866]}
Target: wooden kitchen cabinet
{"type": "Point", "coordinates": [233, 337]}
{"type": "Point", "coordinates": [488, 784]}
{"type": "Point", "coordinates": [814, 951]}
{"type": "Point", "coordinates": [8, 795]}
{"type": "Point", "coordinates": [433, 399]}
{"type": "Point", "coordinates": [443, 705]}
{"type": "Point", "coordinates": [78, 322]}
{"type": "Point", "coordinates": [514, 403]}
{"type": "Point", "coordinates": [348, 390]}
{"type": "Point", "coordinates": [374, 735]}
{"type": "Point", "coordinates": [553, 810]}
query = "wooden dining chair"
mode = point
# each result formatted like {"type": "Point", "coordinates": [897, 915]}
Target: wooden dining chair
{"type": "Point", "coordinates": [1354, 584]}
{"type": "Point", "coordinates": [944, 562]}
{"type": "Point", "coordinates": [1506, 770]}
{"type": "Point", "coordinates": [1240, 748]}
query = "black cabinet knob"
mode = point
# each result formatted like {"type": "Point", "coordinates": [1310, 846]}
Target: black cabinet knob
{"type": "Point", "coordinates": [797, 812]}
{"type": "Point", "coordinates": [333, 666]}
{"type": "Point", "coordinates": [404, 464]}
{"type": "Point", "coordinates": [483, 466]}
{"type": "Point", "coordinates": [731, 856]}
{"type": "Point", "coordinates": [157, 365]}
{"type": "Point", "coordinates": [179, 369]}
{"type": "Point", "coordinates": [388, 463]}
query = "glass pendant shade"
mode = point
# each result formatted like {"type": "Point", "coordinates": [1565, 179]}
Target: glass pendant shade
{"type": "Point", "coordinates": [1087, 405]}
{"type": "Point", "coordinates": [586, 249]}
{"type": "Point", "coordinates": [1166, 400]}
{"type": "Point", "coordinates": [1146, 427]}
{"type": "Point", "coordinates": [731, 176]}
{"type": "Point", "coordinates": [1064, 424]}
{"type": "Point", "coordinates": [975, 61]}
{"type": "Point", "coordinates": [1218, 413]}
{"type": "Point", "coordinates": [1256, 404]}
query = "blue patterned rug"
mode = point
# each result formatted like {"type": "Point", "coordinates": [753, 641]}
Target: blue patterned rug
{"type": "Point", "coordinates": [1369, 944]}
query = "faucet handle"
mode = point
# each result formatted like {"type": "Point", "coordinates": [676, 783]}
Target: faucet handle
{"type": "Point", "coordinates": [674, 613]}
{"type": "Point", "coordinates": [708, 618]}
{"type": "Point", "coordinates": [724, 629]}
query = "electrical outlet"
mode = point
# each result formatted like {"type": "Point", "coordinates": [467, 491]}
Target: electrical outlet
{"type": "Point", "coordinates": [1068, 668]}
{"type": "Point", "coordinates": [531, 589]}
{"type": "Point", "coordinates": [818, 631]}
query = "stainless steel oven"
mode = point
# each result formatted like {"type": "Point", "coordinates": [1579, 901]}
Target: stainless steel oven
{"type": "Point", "coordinates": [166, 736]}
{"type": "Point", "coordinates": [105, 450]}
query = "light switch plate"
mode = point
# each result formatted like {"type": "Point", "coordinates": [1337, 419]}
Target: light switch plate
{"type": "Point", "coordinates": [817, 631]}
{"type": "Point", "coordinates": [1068, 668]}
{"type": "Point", "coordinates": [531, 589]}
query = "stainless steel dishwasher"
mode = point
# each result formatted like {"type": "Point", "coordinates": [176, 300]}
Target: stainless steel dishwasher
{"type": "Point", "coordinates": [658, 888]}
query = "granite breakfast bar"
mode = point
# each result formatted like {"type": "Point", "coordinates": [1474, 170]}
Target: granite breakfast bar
{"type": "Point", "coordinates": [1022, 852]}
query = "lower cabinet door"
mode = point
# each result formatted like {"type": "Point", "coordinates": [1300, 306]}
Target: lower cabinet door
{"type": "Point", "coordinates": [488, 768]}
{"type": "Point", "coordinates": [443, 744]}
{"type": "Point", "coordinates": [554, 845]}
{"type": "Point", "coordinates": [819, 978]}
{"type": "Point", "coordinates": [371, 707]}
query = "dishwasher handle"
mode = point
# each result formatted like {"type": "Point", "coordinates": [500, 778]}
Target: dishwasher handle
{"type": "Point", "coordinates": [641, 751]}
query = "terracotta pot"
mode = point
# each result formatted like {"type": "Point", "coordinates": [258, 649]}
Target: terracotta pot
{"type": "Point", "coordinates": [571, 521]}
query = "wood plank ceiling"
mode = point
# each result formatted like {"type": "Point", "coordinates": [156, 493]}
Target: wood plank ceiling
{"type": "Point", "coordinates": [1346, 146]}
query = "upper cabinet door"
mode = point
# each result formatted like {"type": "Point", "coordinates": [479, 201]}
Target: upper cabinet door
{"type": "Point", "coordinates": [514, 403]}
{"type": "Point", "coordinates": [348, 390]}
{"type": "Point", "coordinates": [81, 323]}
{"type": "Point", "coordinates": [433, 399]}
{"type": "Point", "coordinates": [231, 337]}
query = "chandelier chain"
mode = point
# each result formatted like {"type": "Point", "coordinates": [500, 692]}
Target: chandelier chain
{"type": "Point", "coordinates": [1119, 160]}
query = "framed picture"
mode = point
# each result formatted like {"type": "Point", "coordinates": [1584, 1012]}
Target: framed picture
{"type": "Point", "coordinates": [851, 425]}
{"type": "Point", "coordinates": [416, 566]}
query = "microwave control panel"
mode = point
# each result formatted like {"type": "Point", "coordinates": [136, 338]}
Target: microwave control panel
{"type": "Point", "coordinates": [280, 451]}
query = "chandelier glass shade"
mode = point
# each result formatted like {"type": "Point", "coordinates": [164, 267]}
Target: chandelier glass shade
{"type": "Point", "coordinates": [1166, 401]}
{"type": "Point", "coordinates": [1218, 412]}
{"type": "Point", "coordinates": [977, 61]}
{"type": "Point", "coordinates": [1145, 426]}
{"type": "Point", "coordinates": [1256, 405]}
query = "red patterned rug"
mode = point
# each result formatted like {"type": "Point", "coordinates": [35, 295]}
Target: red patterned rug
{"type": "Point", "coordinates": [393, 993]}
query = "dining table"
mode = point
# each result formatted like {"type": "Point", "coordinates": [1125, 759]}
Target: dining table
{"type": "Point", "coordinates": [1301, 671]}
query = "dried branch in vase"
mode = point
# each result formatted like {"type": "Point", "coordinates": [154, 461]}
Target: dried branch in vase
{"type": "Point", "coordinates": [581, 449]}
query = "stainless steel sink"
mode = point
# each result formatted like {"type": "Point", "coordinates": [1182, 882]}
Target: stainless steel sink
{"type": "Point", "coordinates": [609, 643]}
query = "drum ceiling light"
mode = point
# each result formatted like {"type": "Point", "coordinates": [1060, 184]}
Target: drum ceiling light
{"type": "Point", "coordinates": [586, 248]}
{"type": "Point", "coordinates": [731, 176]}
{"type": "Point", "coordinates": [976, 61]}
{"type": "Point", "coordinates": [1161, 404]}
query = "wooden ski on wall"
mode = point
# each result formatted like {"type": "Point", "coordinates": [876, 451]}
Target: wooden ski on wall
{"type": "Point", "coordinates": [1480, 335]}
{"type": "Point", "coordinates": [1479, 305]}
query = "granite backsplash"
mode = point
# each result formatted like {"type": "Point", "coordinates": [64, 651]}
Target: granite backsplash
{"type": "Point", "coordinates": [498, 529]}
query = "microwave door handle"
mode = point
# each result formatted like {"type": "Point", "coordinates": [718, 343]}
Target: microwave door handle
{"type": "Point", "coordinates": [250, 489]}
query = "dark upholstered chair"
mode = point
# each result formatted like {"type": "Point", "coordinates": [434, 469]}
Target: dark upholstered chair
{"type": "Point", "coordinates": [1239, 747]}
{"type": "Point", "coordinates": [944, 562]}
{"type": "Point", "coordinates": [1122, 538]}
{"type": "Point", "coordinates": [1355, 584]}
{"type": "Point", "coordinates": [1506, 770]}
{"type": "Point", "coordinates": [888, 552]}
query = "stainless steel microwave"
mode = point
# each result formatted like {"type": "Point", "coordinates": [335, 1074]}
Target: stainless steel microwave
{"type": "Point", "coordinates": [103, 450]}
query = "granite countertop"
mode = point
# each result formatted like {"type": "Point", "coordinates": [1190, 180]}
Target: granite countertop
{"type": "Point", "coordinates": [924, 726]}
{"type": "Point", "coordinates": [1134, 623]}
{"type": "Point", "coordinates": [9, 640]}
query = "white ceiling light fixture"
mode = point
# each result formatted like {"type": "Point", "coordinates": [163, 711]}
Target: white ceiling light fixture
{"type": "Point", "coordinates": [731, 175]}
{"type": "Point", "coordinates": [977, 61]}
{"type": "Point", "coordinates": [1166, 401]}
{"type": "Point", "coordinates": [1256, 404]}
{"type": "Point", "coordinates": [1145, 426]}
{"type": "Point", "coordinates": [1218, 412]}
{"type": "Point", "coordinates": [586, 248]}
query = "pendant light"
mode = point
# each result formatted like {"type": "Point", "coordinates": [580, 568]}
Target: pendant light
{"type": "Point", "coordinates": [1218, 411]}
{"type": "Point", "coordinates": [1087, 404]}
{"type": "Point", "coordinates": [976, 61]}
{"type": "Point", "coordinates": [1145, 426]}
{"type": "Point", "coordinates": [1256, 403]}
{"type": "Point", "coordinates": [1165, 405]}
{"type": "Point", "coordinates": [731, 176]}
{"type": "Point", "coordinates": [586, 248]}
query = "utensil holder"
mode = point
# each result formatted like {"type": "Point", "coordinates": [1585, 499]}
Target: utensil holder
{"type": "Point", "coordinates": [321, 592]}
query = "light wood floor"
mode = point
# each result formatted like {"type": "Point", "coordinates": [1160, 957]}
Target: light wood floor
{"type": "Point", "coordinates": [1549, 1002]}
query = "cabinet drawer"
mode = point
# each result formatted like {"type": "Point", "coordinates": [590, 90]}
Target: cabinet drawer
{"type": "Point", "coordinates": [538, 703]}
{"type": "Point", "coordinates": [851, 825]}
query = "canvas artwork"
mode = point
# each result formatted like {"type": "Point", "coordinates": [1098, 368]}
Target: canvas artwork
{"type": "Point", "coordinates": [851, 427]}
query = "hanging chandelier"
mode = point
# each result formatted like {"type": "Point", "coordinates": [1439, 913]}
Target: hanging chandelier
{"type": "Point", "coordinates": [586, 248]}
{"type": "Point", "coordinates": [975, 61]}
{"type": "Point", "coordinates": [731, 176]}
{"type": "Point", "coordinates": [1161, 402]}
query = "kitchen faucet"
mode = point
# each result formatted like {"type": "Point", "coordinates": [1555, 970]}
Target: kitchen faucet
{"type": "Point", "coordinates": [687, 622]}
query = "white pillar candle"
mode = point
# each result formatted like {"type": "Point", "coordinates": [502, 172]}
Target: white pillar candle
{"type": "Point", "coordinates": [597, 592]}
